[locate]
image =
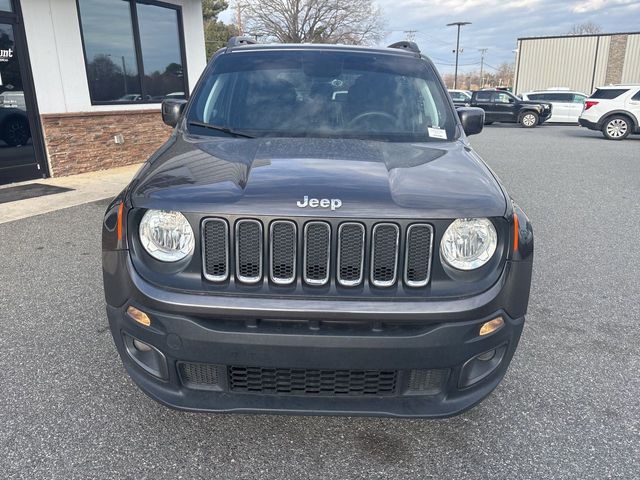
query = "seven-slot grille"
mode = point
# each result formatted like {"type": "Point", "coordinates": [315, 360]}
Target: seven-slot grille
{"type": "Point", "coordinates": [359, 249]}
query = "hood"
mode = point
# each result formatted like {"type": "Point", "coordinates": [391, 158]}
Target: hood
{"type": "Point", "coordinates": [269, 176]}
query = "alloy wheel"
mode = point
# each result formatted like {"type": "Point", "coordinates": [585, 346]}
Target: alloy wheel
{"type": "Point", "coordinates": [617, 128]}
{"type": "Point", "coordinates": [529, 120]}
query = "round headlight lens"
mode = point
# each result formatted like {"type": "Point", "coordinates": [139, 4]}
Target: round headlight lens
{"type": "Point", "coordinates": [166, 236]}
{"type": "Point", "coordinates": [469, 243]}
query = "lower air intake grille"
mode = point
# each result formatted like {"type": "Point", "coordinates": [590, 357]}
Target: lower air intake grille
{"type": "Point", "coordinates": [199, 376]}
{"type": "Point", "coordinates": [285, 381]}
{"type": "Point", "coordinates": [426, 382]}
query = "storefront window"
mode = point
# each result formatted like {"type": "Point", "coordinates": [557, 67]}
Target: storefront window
{"type": "Point", "coordinates": [161, 57]}
{"type": "Point", "coordinates": [129, 61]}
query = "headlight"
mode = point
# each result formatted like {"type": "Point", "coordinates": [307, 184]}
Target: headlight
{"type": "Point", "coordinates": [469, 243]}
{"type": "Point", "coordinates": [166, 236]}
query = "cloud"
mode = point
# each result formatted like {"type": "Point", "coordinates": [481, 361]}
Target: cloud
{"type": "Point", "coordinates": [586, 6]}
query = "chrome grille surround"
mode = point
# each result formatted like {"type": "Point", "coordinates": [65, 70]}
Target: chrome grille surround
{"type": "Point", "coordinates": [276, 262]}
{"type": "Point", "coordinates": [382, 261]}
{"type": "Point", "coordinates": [343, 270]}
{"type": "Point", "coordinates": [214, 264]}
{"type": "Point", "coordinates": [297, 252]}
{"type": "Point", "coordinates": [409, 261]}
{"type": "Point", "coordinates": [243, 259]}
{"type": "Point", "coordinates": [320, 274]}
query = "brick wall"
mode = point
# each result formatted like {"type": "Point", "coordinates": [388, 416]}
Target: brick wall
{"type": "Point", "coordinates": [84, 142]}
{"type": "Point", "coordinates": [615, 63]}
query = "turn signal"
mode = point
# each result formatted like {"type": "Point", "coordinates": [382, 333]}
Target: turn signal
{"type": "Point", "coordinates": [491, 326]}
{"type": "Point", "coordinates": [139, 316]}
{"type": "Point", "coordinates": [120, 221]}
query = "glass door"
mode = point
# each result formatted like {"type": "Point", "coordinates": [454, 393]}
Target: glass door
{"type": "Point", "coordinates": [17, 155]}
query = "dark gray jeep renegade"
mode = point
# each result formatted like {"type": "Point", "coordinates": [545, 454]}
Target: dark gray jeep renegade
{"type": "Point", "coordinates": [317, 237]}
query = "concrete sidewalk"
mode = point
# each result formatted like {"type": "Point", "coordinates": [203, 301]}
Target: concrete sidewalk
{"type": "Point", "coordinates": [87, 187]}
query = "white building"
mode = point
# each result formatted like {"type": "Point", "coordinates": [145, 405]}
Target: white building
{"type": "Point", "coordinates": [578, 62]}
{"type": "Point", "coordinates": [81, 81]}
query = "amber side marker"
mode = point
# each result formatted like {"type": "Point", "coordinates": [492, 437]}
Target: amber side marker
{"type": "Point", "coordinates": [516, 234]}
{"type": "Point", "coordinates": [491, 326]}
{"type": "Point", "coordinates": [139, 316]}
{"type": "Point", "coordinates": [120, 220]}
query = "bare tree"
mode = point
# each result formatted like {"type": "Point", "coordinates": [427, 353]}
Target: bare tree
{"type": "Point", "coordinates": [585, 28]}
{"type": "Point", "coordinates": [315, 21]}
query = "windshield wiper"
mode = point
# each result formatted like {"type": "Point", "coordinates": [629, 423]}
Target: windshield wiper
{"type": "Point", "coordinates": [219, 128]}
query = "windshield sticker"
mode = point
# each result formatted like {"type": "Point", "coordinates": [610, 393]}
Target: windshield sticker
{"type": "Point", "coordinates": [437, 133]}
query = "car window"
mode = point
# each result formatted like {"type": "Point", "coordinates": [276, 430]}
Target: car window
{"type": "Point", "coordinates": [577, 98]}
{"type": "Point", "coordinates": [323, 94]}
{"type": "Point", "coordinates": [483, 96]}
{"type": "Point", "coordinates": [636, 97]}
{"type": "Point", "coordinates": [559, 97]}
{"type": "Point", "coordinates": [536, 96]}
{"type": "Point", "coordinates": [608, 93]}
{"type": "Point", "coordinates": [501, 97]}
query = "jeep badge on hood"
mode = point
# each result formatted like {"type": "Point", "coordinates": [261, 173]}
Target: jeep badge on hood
{"type": "Point", "coordinates": [334, 203]}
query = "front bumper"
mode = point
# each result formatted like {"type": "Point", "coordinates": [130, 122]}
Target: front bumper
{"type": "Point", "coordinates": [407, 338]}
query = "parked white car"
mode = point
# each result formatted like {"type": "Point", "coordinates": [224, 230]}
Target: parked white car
{"type": "Point", "coordinates": [567, 104]}
{"type": "Point", "coordinates": [614, 110]}
{"type": "Point", "coordinates": [461, 98]}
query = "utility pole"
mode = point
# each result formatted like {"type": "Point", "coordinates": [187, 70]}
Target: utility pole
{"type": "Point", "coordinates": [410, 34]}
{"type": "Point", "coordinates": [458, 24]}
{"type": "Point", "coordinates": [239, 17]}
{"type": "Point", "coordinates": [482, 52]}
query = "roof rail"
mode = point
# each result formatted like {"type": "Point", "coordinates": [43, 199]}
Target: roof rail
{"type": "Point", "coordinates": [235, 41]}
{"type": "Point", "coordinates": [405, 45]}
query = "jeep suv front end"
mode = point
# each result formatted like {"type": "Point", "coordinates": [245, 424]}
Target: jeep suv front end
{"type": "Point", "coordinates": [317, 237]}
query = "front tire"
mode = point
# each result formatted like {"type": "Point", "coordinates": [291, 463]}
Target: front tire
{"type": "Point", "coordinates": [529, 119]}
{"type": "Point", "coordinates": [15, 132]}
{"type": "Point", "coordinates": [616, 128]}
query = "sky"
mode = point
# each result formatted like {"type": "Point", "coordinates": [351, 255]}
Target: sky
{"type": "Point", "coordinates": [496, 25]}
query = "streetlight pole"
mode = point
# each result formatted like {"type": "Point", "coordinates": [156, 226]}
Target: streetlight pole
{"type": "Point", "coordinates": [458, 24]}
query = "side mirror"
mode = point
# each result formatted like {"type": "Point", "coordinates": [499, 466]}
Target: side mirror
{"type": "Point", "coordinates": [472, 119]}
{"type": "Point", "coordinates": [171, 111]}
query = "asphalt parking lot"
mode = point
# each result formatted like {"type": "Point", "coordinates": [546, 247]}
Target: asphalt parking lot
{"type": "Point", "coordinates": [568, 407]}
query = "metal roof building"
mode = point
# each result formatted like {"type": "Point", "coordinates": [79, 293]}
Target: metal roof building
{"type": "Point", "coordinates": [578, 62]}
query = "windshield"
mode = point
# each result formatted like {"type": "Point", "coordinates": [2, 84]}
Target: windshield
{"type": "Point", "coordinates": [336, 94]}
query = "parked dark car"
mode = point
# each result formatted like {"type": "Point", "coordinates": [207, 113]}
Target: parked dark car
{"type": "Point", "coordinates": [504, 107]}
{"type": "Point", "coordinates": [295, 250]}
